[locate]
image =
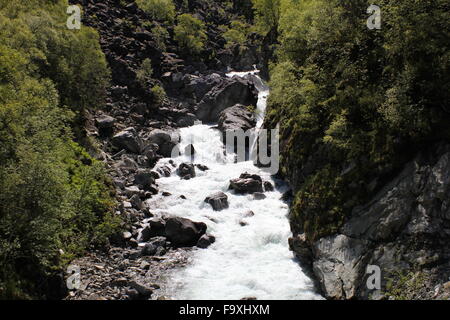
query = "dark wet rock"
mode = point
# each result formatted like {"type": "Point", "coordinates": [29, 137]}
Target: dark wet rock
{"type": "Point", "coordinates": [158, 226]}
{"type": "Point", "coordinates": [225, 95]}
{"type": "Point", "coordinates": [165, 171]}
{"type": "Point", "coordinates": [205, 241]}
{"type": "Point", "coordinates": [259, 196]}
{"type": "Point", "coordinates": [247, 183]}
{"type": "Point", "coordinates": [186, 171]}
{"type": "Point", "coordinates": [268, 186]}
{"type": "Point", "coordinates": [218, 201]}
{"type": "Point", "coordinates": [166, 194]}
{"type": "Point", "coordinates": [128, 140]}
{"type": "Point", "coordinates": [202, 167]}
{"type": "Point", "coordinates": [243, 223]}
{"type": "Point", "coordinates": [184, 232]}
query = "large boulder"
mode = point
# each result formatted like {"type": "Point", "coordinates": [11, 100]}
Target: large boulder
{"type": "Point", "coordinates": [186, 171]}
{"type": "Point", "coordinates": [247, 183]}
{"type": "Point", "coordinates": [184, 232]}
{"type": "Point", "coordinates": [129, 140]}
{"type": "Point", "coordinates": [166, 141]}
{"type": "Point", "coordinates": [105, 125]}
{"type": "Point", "coordinates": [227, 94]}
{"type": "Point", "coordinates": [236, 117]}
{"type": "Point", "coordinates": [198, 87]}
{"type": "Point", "coordinates": [218, 201]}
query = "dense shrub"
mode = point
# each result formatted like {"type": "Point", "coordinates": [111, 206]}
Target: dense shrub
{"type": "Point", "coordinates": [354, 104]}
{"type": "Point", "coordinates": [55, 199]}
{"type": "Point", "coordinates": [161, 10]}
{"type": "Point", "coordinates": [145, 72]}
{"type": "Point", "coordinates": [190, 34]}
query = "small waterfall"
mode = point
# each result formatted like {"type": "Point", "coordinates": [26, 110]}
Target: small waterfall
{"type": "Point", "coordinates": [251, 256]}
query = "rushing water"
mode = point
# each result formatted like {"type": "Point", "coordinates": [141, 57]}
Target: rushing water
{"type": "Point", "coordinates": [245, 261]}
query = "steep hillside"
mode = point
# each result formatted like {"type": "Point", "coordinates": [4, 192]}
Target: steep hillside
{"type": "Point", "coordinates": [355, 105]}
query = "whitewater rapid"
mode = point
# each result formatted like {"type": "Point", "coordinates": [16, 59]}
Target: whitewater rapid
{"type": "Point", "coordinates": [253, 260]}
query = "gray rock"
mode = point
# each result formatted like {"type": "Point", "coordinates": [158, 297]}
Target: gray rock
{"type": "Point", "coordinates": [149, 249]}
{"type": "Point", "coordinates": [144, 178]}
{"type": "Point", "coordinates": [404, 227]}
{"type": "Point", "coordinates": [105, 122]}
{"type": "Point", "coordinates": [227, 94]}
{"type": "Point", "coordinates": [236, 117]}
{"type": "Point", "coordinates": [259, 196]}
{"type": "Point", "coordinates": [218, 201]}
{"type": "Point", "coordinates": [166, 141]}
{"type": "Point", "coordinates": [128, 140]}
{"type": "Point", "coordinates": [136, 202]}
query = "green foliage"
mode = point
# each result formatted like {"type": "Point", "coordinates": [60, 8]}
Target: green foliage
{"type": "Point", "coordinates": [145, 72]}
{"type": "Point", "coordinates": [354, 104]}
{"type": "Point", "coordinates": [190, 34]}
{"type": "Point", "coordinates": [161, 10]}
{"type": "Point", "coordinates": [237, 33]}
{"type": "Point", "coordinates": [161, 36]}
{"type": "Point", "coordinates": [402, 285]}
{"type": "Point", "coordinates": [54, 198]}
{"type": "Point", "coordinates": [267, 14]}
{"type": "Point", "coordinates": [158, 95]}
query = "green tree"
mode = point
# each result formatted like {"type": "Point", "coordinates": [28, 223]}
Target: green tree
{"type": "Point", "coordinates": [161, 10]}
{"type": "Point", "coordinates": [190, 34]}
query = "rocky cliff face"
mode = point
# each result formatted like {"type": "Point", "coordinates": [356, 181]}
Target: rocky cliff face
{"type": "Point", "coordinates": [404, 230]}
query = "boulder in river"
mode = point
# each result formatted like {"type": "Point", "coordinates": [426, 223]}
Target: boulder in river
{"type": "Point", "coordinates": [227, 94]}
{"type": "Point", "coordinates": [205, 241]}
{"type": "Point", "coordinates": [184, 232]}
{"type": "Point", "coordinates": [186, 171]}
{"type": "Point", "coordinates": [247, 183]}
{"type": "Point", "coordinates": [218, 201]}
{"type": "Point", "coordinates": [268, 186]}
{"type": "Point", "coordinates": [236, 117]}
{"type": "Point", "coordinates": [166, 141]}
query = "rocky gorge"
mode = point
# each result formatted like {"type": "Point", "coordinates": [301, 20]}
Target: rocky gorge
{"type": "Point", "coordinates": [174, 234]}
